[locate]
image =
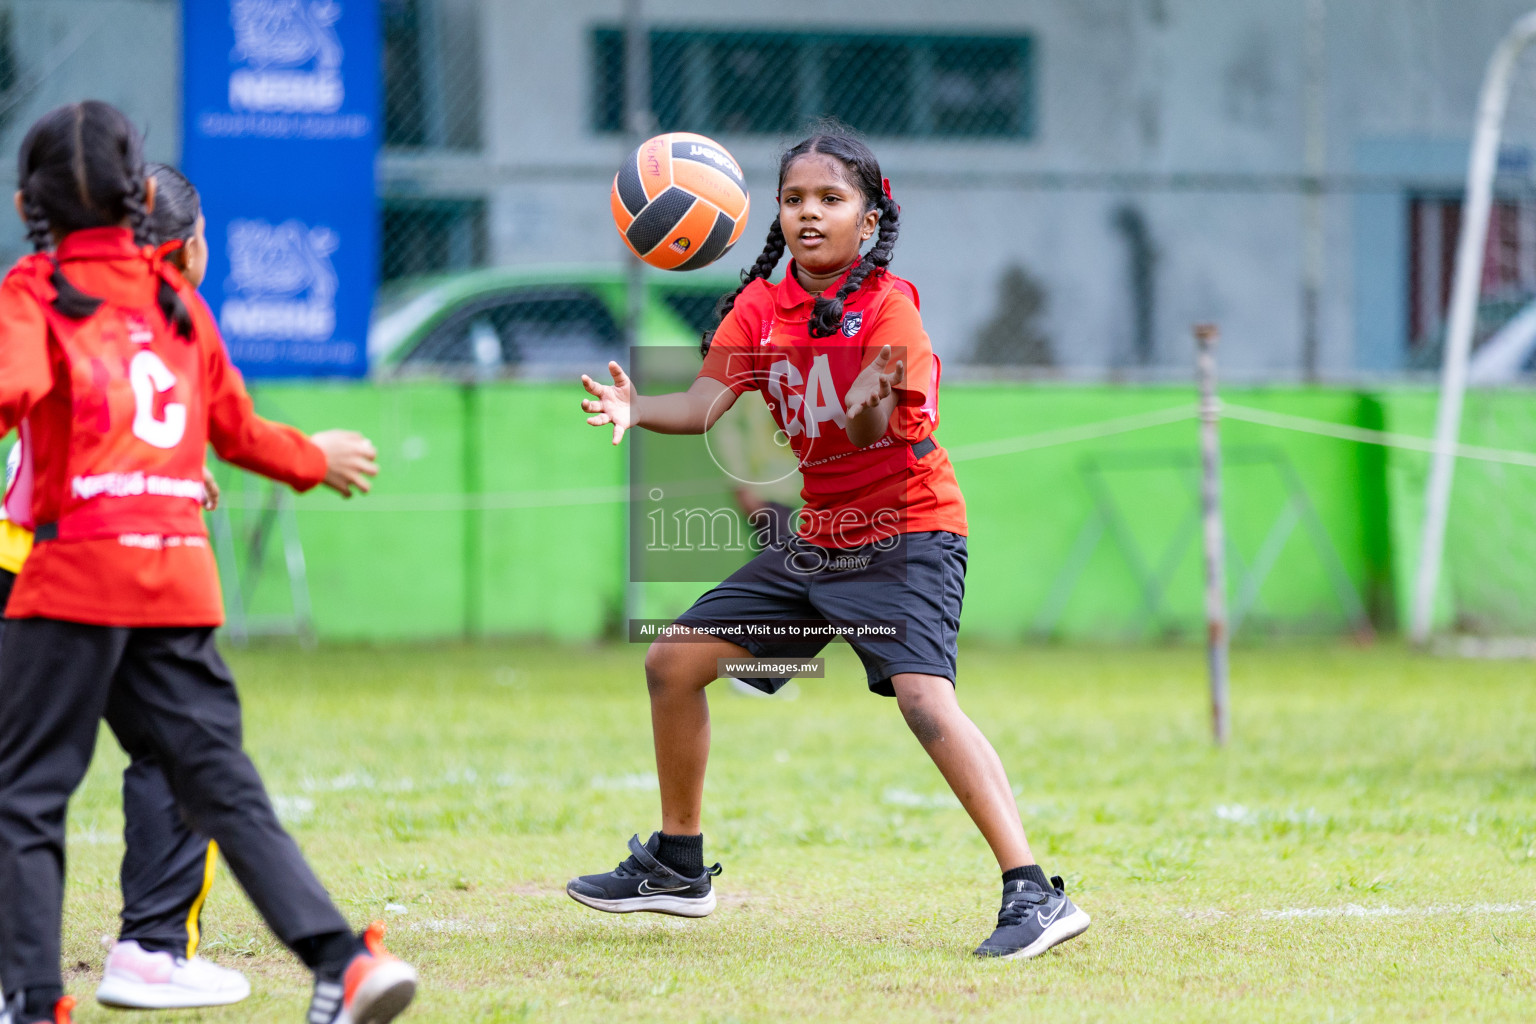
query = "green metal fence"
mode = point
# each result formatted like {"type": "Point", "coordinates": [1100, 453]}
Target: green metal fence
{"type": "Point", "coordinates": [498, 512]}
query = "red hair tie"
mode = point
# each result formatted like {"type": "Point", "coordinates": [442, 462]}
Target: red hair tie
{"type": "Point", "coordinates": [160, 262]}
{"type": "Point", "coordinates": [160, 256]}
{"type": "Point", "coordinates": [885, 184]}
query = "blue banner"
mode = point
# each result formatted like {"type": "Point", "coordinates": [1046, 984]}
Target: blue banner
{"type": "Point", "coordinates": [281, 130]}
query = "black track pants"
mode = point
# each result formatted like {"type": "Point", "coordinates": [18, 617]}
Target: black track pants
{"type": "Point", "coordinates": [167, 868]}
{"type": "Point", "coordinates": [168, 697]}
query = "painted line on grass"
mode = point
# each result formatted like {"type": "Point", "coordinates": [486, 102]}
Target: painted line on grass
{"type": "Point", "coordinates": [1433, 910]}
{"type": "Point", "coordinates": [1357, 910]}
{"type": "Point", "coordinates": [453, 926]}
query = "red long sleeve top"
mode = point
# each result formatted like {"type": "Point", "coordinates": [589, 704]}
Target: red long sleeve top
{"type": "Point", "coordinates": [136, 578]}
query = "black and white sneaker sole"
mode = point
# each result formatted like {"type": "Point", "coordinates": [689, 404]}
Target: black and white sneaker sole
{"type": "Point", "coordinates": [1062, 929]}
{"type": "Point", "coordinates": [677, 906]}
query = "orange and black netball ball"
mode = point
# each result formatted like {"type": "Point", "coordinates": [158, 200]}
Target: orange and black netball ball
{"type": "Point", "coordinates": [679, 201]}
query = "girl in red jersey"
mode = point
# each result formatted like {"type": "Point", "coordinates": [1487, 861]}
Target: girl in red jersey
{"type": "Point", "coordinates": [838, 350]}
{"type": "Point", "coordinates": [167, 869]}
{"type": "Point", "coordinates": [114, 371]}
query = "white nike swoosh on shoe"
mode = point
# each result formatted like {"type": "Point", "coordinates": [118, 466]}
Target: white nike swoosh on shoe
{"type": "Point", "coordinates": [1045, 922]}
{"type": "Point", "coordinates": [646, 888]}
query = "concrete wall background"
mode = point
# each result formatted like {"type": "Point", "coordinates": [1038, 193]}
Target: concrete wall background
{"type": "Point", "coordinates": [1154, 91]}
{"type": "Point", "coordinates": [127, 52]}
{"type": "Point", "coordinates": [1151, 90]}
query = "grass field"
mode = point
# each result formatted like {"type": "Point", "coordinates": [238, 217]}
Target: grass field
{"type": "Point", "coordinates": [1365, 851]}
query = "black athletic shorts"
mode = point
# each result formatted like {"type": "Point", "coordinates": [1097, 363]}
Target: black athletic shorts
{"type": "Point", "coordinates": [914, 582]}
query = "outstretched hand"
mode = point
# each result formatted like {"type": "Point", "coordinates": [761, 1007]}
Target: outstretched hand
{"type": "Point", "coordinates": [611, 403]}
{"type": "Point", "coordinates": [210, 490]}
{"type": "Point", "coordinates": [350, 459]}
{"type": "Point", "coordinates": [874, 384]}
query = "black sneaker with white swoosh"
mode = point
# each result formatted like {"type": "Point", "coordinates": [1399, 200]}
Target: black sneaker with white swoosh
{"type": "Point", "coordinates": [643, 883]}
{"type": "Point", "coordinates": [1033, 920]}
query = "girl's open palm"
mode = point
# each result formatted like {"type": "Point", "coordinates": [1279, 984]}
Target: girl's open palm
{"type": "Point", "coordinates": [611, 403]}
{"type": "Point", "coordinates": [874, 383]}
{"type": "Point", "coordinates": [350, 459]}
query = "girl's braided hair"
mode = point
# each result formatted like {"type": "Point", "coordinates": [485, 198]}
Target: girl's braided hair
{"type": "Point", "coordinates": [864, 174]}
{"type": "Point", "coordinates": [177, 206]}
{"type": "Point", "coordinates": [82, 166]}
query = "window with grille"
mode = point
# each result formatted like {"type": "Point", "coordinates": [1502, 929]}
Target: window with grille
{"type": "Point", "coordinates": [1509, 269]}
{"type": "Point", "coordinates": [534, 331]}
{"type": "Point", "coordinates": [770, 83]}
{"type": "Point", "coordinates": [428, 236]}
{"type": "Point", "coordinates": [431, 73]}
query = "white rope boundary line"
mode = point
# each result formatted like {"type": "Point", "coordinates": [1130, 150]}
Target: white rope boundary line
{"type": "Point", "coordinates": [580, 496]}
{"type": "Point", "coordinates": [1073, 435]}
{"type": "Point", "coordinates": [507, 501]}
{"type": "Point", "coordinates": [1385, 438]}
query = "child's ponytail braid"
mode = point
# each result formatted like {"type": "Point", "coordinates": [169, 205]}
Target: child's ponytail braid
{"type": "Point", "coordinates": [773, 251]}
{"type": "Point", "coordinates": [68, 299]}
{"type": "Point", "coordinates": [81, 166]}
{"type": "Point", "coordinates": [136, 203]}
{"type": "Point", "coordinates": [38, 231]}
{"type": "Point", "coordinates": [827, 314]}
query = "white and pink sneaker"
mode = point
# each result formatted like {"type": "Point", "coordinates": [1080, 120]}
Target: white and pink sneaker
{"type": "Point", "coordinates": [137, 979]}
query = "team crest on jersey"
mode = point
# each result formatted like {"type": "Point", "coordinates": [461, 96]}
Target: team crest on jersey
{"type": "Point", "coordinates": [138, 329]}
{"type": "Point", "coordinates": [851, 324]}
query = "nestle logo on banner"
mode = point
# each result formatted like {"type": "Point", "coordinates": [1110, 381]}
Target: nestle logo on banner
{"type": "Point", "coordinates": [283, 282]}
{"type": "Point", "coordinates": [291, 54]}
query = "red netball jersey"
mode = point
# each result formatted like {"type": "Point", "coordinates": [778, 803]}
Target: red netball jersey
{"type": "Point", "coordinates": [116, 411]}
{"type": "Point", "coordinates": [853, 496]}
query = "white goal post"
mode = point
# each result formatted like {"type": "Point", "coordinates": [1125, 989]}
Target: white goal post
{"type": "Point", "coordinates": [1481, 168]}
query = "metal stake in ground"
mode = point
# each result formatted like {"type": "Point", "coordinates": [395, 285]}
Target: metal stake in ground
{"type": "Point", "coordinates": [1206, 336]}
{"type": "Point", "coordinates": [640, 123]}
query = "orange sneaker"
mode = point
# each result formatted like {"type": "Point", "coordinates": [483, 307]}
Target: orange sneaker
{"type": "Point", "coordinates": [375, 988]}
{"type": "Point", "coordinates": [63, 1011]}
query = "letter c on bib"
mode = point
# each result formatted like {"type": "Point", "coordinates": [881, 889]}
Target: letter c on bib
{"type": "Point", "coordinates": [149, 376]}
